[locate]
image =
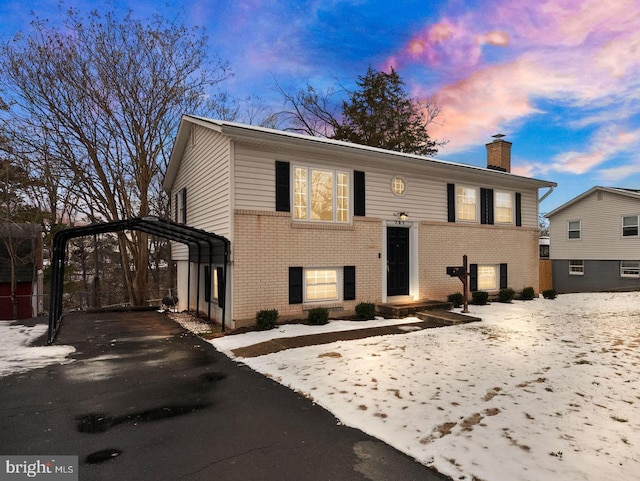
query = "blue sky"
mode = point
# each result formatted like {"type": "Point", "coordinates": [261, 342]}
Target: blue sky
{"type": "Point", "coordinates": [560, 78]}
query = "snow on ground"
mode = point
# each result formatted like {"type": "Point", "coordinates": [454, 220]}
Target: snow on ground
{"type": "Point", "coordinates": [545, 389]}
{"type": "Point", "coordinates": [17, 355]}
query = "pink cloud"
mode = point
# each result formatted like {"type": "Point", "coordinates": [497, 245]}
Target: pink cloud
{"type": "Point", "coordinates": [608, 142]}
{"type": "Point", "coordinates": [578, 53]}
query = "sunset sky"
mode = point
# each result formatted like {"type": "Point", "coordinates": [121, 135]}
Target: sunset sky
{"type": "Point", "coordinates": [560, 78]}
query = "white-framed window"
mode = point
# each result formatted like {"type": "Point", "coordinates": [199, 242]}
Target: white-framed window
{"type": "Point", "coordinates": [503, 207]}
{"type": "Point", "coordinates": [321, 284]}
{"type": "Point", "coordinates": [398, 186]}
{"type": "Point", "coordinates": [630, 226]}
{"type": "Point", "coordinates": [466, 203]}
{"type": "Point", "coordinates": [214, 275]}
{"type": "Point", "coordinates": [574, 229]}
{"type": "Point", "coordinates": [576, 267]}
{"type": "Point", "coordinates": [488, 277]}
{"type": "Point", "coordinates": [320, 195]}
{"type": "Point", "coordinates": [629, 268]}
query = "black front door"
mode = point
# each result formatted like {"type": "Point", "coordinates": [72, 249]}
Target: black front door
{"type": "Point", "coordinates": [397, 261]}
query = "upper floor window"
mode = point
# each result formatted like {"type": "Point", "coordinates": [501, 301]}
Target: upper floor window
{"type": "Point", "coordinates": [574, 229]}
{"type": "Point", "coordinates": [504, 207]}
{"type": "Point", "coordinates": [630, 226]}
{"type": "Point", "coordinates": [320, 195]}
{"type": "Point", "coordinates": [466, 203]}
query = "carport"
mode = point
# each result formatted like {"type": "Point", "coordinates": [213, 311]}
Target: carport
{"type": "Point", "coordinates": [204, 248]}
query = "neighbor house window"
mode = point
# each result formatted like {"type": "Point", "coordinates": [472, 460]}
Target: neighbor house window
{"type": "Point", "coordinates": [320, 195]}
{"type": "Point", "coordinates": [504, 207]}
{"type": "Point", "coordinates": [466, 203]}
{"type": "Point", "coordinates": [487, 278]}
{"type": "Point", "coordinates": [630, 226]}
{"type": "Point", "coordinates": [576, 267]}
{"type": "Point", "coordinates": [575, 229]}
{"type": "Point", "coordinates": [320, 285]}
{"type": "Point", "coordinates": [629, 268]}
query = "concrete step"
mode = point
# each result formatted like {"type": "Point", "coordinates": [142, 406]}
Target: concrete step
{"type": "Point", "coordinates": [400, 310]}
{"type": "Point", "coordinates": [445, 318]}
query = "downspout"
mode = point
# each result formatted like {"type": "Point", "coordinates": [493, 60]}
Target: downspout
{"type": "Point", "coordinates": [547, 194]}
{"type": "Point", "coordinates": [224, 276]}
{"type": "Point", "coordinates": [210, 281]}
{"type": "Point", "coordinates": [189, 280]}
{"type": "Point", "coordinates": [198, 281]}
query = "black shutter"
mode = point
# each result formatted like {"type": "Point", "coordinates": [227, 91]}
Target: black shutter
{"type": "Point", "coordinates": [359, 193]}
{"type": "Point", "coordinates": [349, 283]}
{"type": "Point", "coordinates": [503, 276]}
{"type": "Point", "coordinates": [283, 196]}
{"type": "Point", "coordinates": [473, 277]}
{"type": "Point", "coordinates": [221, 287]}
{"type": "Point", "coordinates": [451, 202]}
{"type": "Point", "coordinates": [207, 284]}
{"type": "Point", "coordinates": [486, 206]}
{"type": "Point", "coordinates": [295, 285]}
{"type": "Point", "coordinates": [518, 209]}
{"type": "Point", "coordinates": [184, 205]}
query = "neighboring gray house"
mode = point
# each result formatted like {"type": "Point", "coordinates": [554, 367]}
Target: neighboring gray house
{"type": "Point", "coordinates": [595, 241]}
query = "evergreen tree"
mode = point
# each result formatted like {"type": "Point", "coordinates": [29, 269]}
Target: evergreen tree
{"type": "Point", "coordinates": [381, 114]}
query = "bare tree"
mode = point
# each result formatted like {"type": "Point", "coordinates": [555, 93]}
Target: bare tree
{"type": "Point", "coordinates": [379, 114]}
{"type": "Point", "coordinates": [101, 98]}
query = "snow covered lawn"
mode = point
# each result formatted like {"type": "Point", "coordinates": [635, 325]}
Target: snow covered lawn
{"type": "Point", "coordinates": [18, 355]}
{"type": "Point", "coordinates": [546, 389]}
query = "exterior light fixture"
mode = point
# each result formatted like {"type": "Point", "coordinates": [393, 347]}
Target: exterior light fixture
{"type": "Point", "coordinates": [402, 216]}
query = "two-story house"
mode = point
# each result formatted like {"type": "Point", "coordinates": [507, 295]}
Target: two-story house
{"type": "Point", "coordinates": [318, 222]}
{"type": "Point", "coordinates": [595, 241]}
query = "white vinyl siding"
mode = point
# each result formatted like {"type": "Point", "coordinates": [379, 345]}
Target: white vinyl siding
{"type": "Point", "coordinates": [425, 196]}
{"type": "Point", "coordinates": [601, 229]}
{"type": "Point", "coordinates": [205, 165]}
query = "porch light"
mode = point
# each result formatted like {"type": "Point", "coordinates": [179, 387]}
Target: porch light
{"type": "Point", "coordinates": [402, 216]}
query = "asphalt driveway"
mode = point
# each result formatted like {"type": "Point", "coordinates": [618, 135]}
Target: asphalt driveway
{"type": "Point", "coordinates": [145, 399]}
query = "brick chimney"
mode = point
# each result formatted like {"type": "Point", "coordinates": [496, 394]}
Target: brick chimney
{"type": "Point", "coordinates": [499, 154]}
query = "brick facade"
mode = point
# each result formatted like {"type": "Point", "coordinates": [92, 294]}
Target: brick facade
{"type": "Point", "coordinates": [266, 244]}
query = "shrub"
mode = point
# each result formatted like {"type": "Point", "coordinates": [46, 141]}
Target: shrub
{"type": "Point", "coordinates": [266, 319]}
{"type": "Point", "coordinates": [318, 316]}
{"type": "Point", "coordinates": [366, 310]}
{"type": "Point", "coordinates": [549, 294]}
{"type": "Point", "coordinates": [479, 298]}
{"type": "Point", "coordinates": [506, 295]}
{"type": "Point", "coordinates": [456, 298]}
{"type": "Point", "coordinates": [528, 293]}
